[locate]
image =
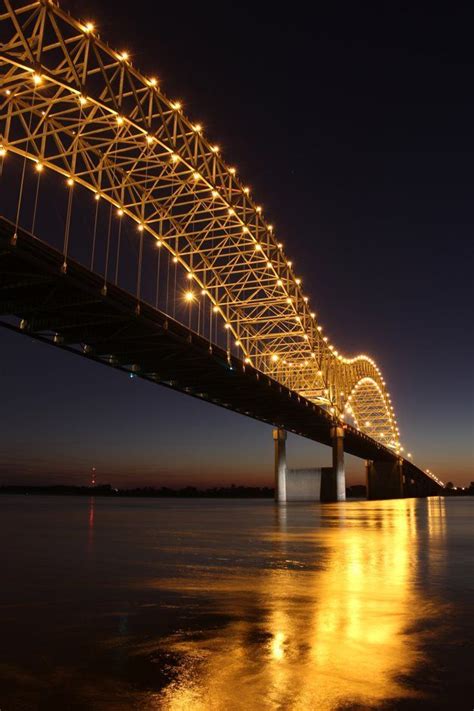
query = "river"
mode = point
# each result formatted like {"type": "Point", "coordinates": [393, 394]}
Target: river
{"type": "Point", "coordinates": [210, 605]}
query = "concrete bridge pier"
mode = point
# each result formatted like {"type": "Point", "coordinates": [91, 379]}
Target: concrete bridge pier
{"type": "Point", "coordinates": [410, 486]}
{"type": "Point", "coordinates": [384, 479]}
{"type": "Point", "coordinates": [333, 479]}
{"type": "Point", "coordinates": [316, 484]}
{"type": "Point", "coordinates": [407, 484]}
{"type": "Point", "coordinates": [337, 434]}
{"type": "Point", "coordinates": [279, 439]}
{"type": "Point", "coordinates": [416, 486]}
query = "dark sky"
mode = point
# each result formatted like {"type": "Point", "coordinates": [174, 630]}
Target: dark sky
{"type": "Point", "coordinates": [353, 123]}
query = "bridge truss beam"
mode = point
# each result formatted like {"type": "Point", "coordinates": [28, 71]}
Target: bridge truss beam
{"type": "Point", "coordinates": [74, 106]}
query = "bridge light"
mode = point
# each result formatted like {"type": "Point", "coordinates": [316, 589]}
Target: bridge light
{"type": "Point", "coordinates": [258, 209]}
{"type": "Point", "coordinates": [159, 243]}
{"type": "Point", "coordinates": [197, 127]}
{"type": "Point", "coordinates": [298, 281]}
{"type": "Point", "coordinates": [203, 292]}
{"type": "Point", "coordinates": [325, 339]}
{"type": "Point", "coordinates": [153, 81]}
{"type": "Point", "coordinates": [409, 455]}
{"type": "Point", "coordinates": [214, 193]}
{"type": "Point", "coordinates": [141, 228]}
{"type": "Point", "coordinates": [288, 264]}
{"type": "Point", "coordinates": [215, 309]}
{"type": "Point", "coordinates": [227, 325]}
{"type": "Point", "coordinates": [305, 299]}
{"type": "Point", "coordinates": [289, 300]}
{"type": "Point", "coordinates": [245, 230]}
{"type": "Point", "coordinates": [89, 27]}
{"type": "Point", "coordinates": [176, 105]}
{"type": "Point", "coordinates": [215, 149]}
{"type": "Point", "coordinates": [37, 79]}
{"type": "Point", "coordinates": [313, 315]}
{"type": "Point", "coordinates": [232, 171]}
{"type": "Point", "coordinates": [258, 247]}
{"type": "Point", "coordinates": [196, 176]}
{"type": "Point", "coordinates": [123, 56]}
{"type": "Point", "coordinates": [269, 265]}
{"type": "Point", "coordinates": [367, 424]}
{"type": "Point", "coordinates": [97, 196]}
{"type": "Point", "coordinates": [175, 260]}
{"type": "Point", "coordinates": [150, 139]}
{"type": "Point", "coordinates": [82, 100]}
{"type": "Point", "coordinates": [3, 151]}
{"type": "Point", "coordinates": [70, 182]}
{"type": "Point", "coordinates": [280, 245]}
{"type": "Point", "coordinates": [247, 360]}
{"type": "Point", "coordinates": [189, 275]}
{"type": "Point", "coordinates": [189, 296]}
{"type": "Point", "coordinates": [306, 337]}
{"type": "Point", "coordinates": [231, 211]}
{"type": "Point", "coordinates": [174, 157]}
{"type": "Point", "coordinates": [120, 212]}
{"type": "Point", "coordinates": [274, 358]}
{"type": "Point", "coordinates": [270, 228]}
{"type": "Point", "coordinates": [238, 344]}
{"type": "Point", "coordinates": [246, 190]}
{"type": "Point", "coordinates": [39, 167]}
{"type": "Point", "coordinates": [120, 120]}
{"type": "Point", "coordinates": [320, 328]}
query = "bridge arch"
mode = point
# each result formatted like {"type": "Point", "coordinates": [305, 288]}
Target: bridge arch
{"type": "Point", "coordinates": [371, 410]}
{"type": "Point", "coordinates": [71, 104]}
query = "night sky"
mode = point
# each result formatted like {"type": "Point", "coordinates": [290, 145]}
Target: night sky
{"type": "Point", "coordinates": [354, 127]}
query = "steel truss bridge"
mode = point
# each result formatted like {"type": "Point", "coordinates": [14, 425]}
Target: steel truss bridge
{"type": "Point", "coordinates": [126, 237]}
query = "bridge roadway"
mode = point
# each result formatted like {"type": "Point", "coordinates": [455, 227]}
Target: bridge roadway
{"type": "Point", "coordinates": [71, 312]}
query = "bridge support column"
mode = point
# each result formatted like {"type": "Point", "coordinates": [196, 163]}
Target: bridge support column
{"type": "Point", "coordinates": [384, 479]}
{"type": "Point", "coordinates": [337, 434]}
{"type": "Point", "coordinates": [279, 439]}
{"type": "Point", "coordinates": [411, 486]}
{"type": "Point", "coordinates": [333, 479]}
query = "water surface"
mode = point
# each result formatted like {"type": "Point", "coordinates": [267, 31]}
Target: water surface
{"type": "Point", "coordinates": [214, 604]}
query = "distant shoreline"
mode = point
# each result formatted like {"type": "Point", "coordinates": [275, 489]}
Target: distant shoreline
{"type": "Point", "coordinates": [357, 491]}
{"type": "Point", "coordinates": [106, 490]}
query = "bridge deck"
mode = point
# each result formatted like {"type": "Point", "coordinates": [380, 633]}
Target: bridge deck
{"type": "Point", "coordinates": [71, 312]}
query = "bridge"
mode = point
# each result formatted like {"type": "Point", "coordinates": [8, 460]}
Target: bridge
{"type": "Point", "coordinates": [126, 238]}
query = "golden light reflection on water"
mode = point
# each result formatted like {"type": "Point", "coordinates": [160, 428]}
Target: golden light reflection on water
{"type": "Point", "coordinates": [334, 625]}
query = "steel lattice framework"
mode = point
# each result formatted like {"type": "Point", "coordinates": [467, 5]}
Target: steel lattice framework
{"type": "Point", "coordinates": [75, 106]}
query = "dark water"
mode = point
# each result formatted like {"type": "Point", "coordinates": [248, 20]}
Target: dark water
{"type": "Point", "coordinates": [207, 605]}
